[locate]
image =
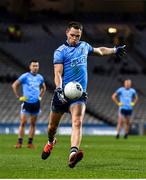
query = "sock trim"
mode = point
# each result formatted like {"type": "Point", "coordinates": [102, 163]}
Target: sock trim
{"type": "Point", "coordinates": [73, 149]}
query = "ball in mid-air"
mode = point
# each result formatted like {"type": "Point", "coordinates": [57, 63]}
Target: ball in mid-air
{"type": "Point", "coordinates": [73, 90]}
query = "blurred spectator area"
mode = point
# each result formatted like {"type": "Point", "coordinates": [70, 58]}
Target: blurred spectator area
{"type": "Point", "coordinates": [62, 6]}
{"type": "Point", "coordinates": [39, 40]}
{"type": "Point", "coordinates": [140, 39]}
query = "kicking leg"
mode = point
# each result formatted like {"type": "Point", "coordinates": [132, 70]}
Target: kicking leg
{"type": "Point", "coordinates": [54, 120]}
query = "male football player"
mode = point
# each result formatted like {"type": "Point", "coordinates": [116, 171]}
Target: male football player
{"type": "Point", "coordinates": [70, 64]}
{"type": "Point", "coordinates": [33, 87]}
{"type": "Point", "coordinates": [125, 97]}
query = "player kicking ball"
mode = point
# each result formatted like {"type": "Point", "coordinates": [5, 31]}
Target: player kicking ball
{"type": "Point", "coordinates": [70, 64]}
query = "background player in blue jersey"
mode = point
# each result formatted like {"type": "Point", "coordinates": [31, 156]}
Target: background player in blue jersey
{"type": "Point", "coordinates": [33, 87]}
{"type": "Point", "coordinates": [126, 98]}
{"type": "Point", "coordinates": [70, 64]}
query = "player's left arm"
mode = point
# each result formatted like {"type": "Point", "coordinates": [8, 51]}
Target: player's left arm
{"type": "Point", "coordinates": [104, 51]}
{"type": "Point", "coordinates": [42, 90]}
{"type": "Point", "coordinates": [134, 101]}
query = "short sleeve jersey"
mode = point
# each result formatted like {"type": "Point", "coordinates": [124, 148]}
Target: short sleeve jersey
{"type": "Point", "coordinates": [31, 86]}
{"type": "Point", "coordinates": [74, 60]}
{"type": "Point", "coordinates": [126, 96]}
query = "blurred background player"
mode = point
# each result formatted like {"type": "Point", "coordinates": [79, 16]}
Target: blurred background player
{"type": "Point", "coordinates": [33, 87]}
{"type": "Point", "coordinates": [126, 98]}
{"type": "Point", "coordinates": [70, 64]}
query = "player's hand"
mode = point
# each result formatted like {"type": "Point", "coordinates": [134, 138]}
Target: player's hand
{"type": "Point", "coordinates": [40, 98]}
{"type": "Point", "coordinates": [120, 50]}
{"type": "Point", "coordinates": [120, 104]}
{"type": "Point", "coordinates": [85, 95]}
{"type": "Point", "coordinates": [23, 98]}
{"type": "Point", "coordinates": [132, 104]}
{"type": "Point", "coordinates": [60, 95]}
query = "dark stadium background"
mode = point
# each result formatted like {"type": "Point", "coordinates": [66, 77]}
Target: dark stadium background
{"type": "Point", "coordinates": [35, 28]}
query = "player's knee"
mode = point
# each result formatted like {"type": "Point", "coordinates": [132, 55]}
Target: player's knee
{"type": "Point", "coordinates": [32, 124]}
{"type": "Point", "coordinates": [77, 123]}
{"type": "Point", "coordinates": [127, 123]}
{"type": "Point", "coordinates": [22, 124]}
{"type": "Point", "coordinates": [120, 123]}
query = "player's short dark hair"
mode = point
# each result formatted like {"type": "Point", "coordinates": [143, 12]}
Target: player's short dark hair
{"type": "Point", "coordinates": [33, 60]}
{"type": "Point", "coordinates": [75, 24]}
{"type": "Point", "coordinates": [127, 79]}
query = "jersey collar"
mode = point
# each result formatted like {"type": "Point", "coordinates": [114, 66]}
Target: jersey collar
{"type": "Point", "coordinates": [33, 74]}
{"type": "Point", "coordinates": [67, 44]}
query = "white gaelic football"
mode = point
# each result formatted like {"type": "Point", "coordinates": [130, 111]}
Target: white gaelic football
{"type": "Point", "coordinates": [73, 90]}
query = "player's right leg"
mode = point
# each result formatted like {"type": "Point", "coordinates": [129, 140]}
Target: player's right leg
{"type": "Point", "coordinates": [33, 119]}
{"type": "Point", "coordinates": [119, 125]}
{"type": "Point", "coordinates": [21, 130]}
{"type": "Point", "coordinates": [54, 119]}
{"type": "Point", "coordinates": [57, 110]}
{"type": "Point", "coordinates": [127, 126]}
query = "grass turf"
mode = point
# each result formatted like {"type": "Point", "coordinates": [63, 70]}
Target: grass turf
{"type": "Point", "coordinates": [104, 157]}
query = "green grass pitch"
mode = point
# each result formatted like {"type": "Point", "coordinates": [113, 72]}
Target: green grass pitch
{"type": "Point", "coordinates": [104, 157]}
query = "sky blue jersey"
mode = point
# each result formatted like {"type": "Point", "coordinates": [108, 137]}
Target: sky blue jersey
{"type": "Point", "coordinates": [126, 97]}
{"type": "Point", "coordinates": [31, 86]}
{"type": "Point", "coordinates": [74, 60]}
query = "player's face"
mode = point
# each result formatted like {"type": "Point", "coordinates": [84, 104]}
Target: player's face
{"type": "Point", "coordinates": [127, 84]}
{"type": "Point", "coordinates": [73, 36]}
{"type": "Point", "coordinates": [34, 67]}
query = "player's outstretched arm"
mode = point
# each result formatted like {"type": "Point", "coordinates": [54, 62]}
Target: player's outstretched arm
{"type": "Point", "coordinates": [103, 51]}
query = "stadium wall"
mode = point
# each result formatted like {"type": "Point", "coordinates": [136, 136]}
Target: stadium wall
{"type": "Point", "coordinates": [65, 129]}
